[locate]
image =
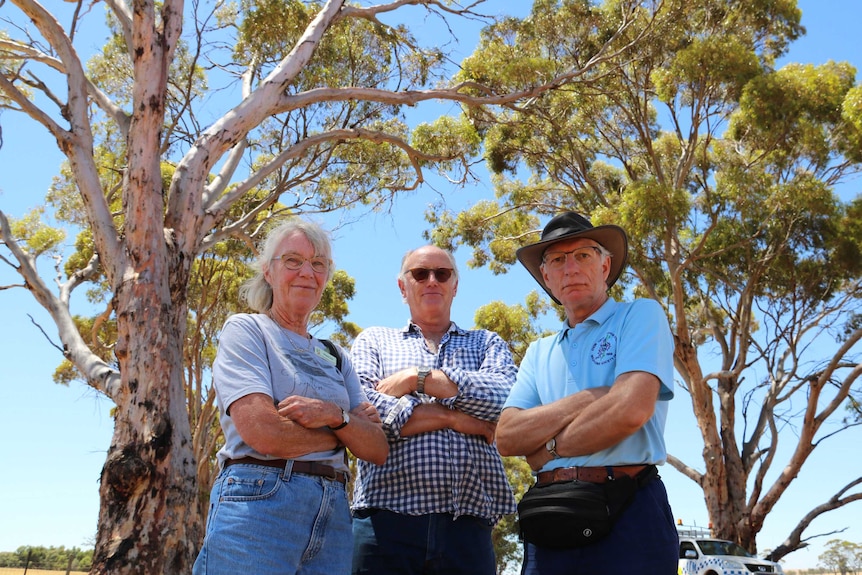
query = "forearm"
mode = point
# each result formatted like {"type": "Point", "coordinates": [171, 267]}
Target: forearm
{"type": "Point", "coordinates": [611, 418]}
{"type": "Point", "coordinates": [365, 439]}
{"type": "Point", "coordinates": [270, 433]}
{"type": "Point", "coordinates": [482, 392]}
{"type": "Point", "coordinates": [520, 431]}
{"type": "Point", "coordinates": [433, 417]}
{"type": "Point", "coordinates": [438, 384]}
{"type": "Point", "coordinates": [406, 381]}
{"type": "Point", "coordinates": [291, 440]}
{"type": "Point", "coordinates": [426, 417]}
{"type": "Point", "coordinates": [524, 431]}
{"type": "Point", "coordinates": [479, 396]}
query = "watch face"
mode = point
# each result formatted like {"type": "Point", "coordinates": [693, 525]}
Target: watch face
{"type": "Point", "coordinates": [551, 445]}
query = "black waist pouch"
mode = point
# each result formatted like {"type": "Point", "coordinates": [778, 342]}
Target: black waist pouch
{"type": "Point", "coordinates": [572, 514]}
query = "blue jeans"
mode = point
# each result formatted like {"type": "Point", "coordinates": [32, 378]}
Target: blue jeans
{"type": "Point", "coordinates": [644, 541]}
{"type": "Point", "coordinates": [389, 543]}
{"type": "Point", "coordinates": [264, 520]}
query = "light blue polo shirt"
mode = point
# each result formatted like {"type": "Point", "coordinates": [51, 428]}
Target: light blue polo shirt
{"type": "Point", "coordinates": [616, 339]}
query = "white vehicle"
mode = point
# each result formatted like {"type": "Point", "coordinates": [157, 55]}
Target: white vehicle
{"type": "Point", "coordinates": [707, 556]}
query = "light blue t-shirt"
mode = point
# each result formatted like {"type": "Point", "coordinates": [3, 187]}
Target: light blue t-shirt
{"type": "Point", "coordinates": [257, 355]}
{"type": "Point", "coordinates": [618, 338]}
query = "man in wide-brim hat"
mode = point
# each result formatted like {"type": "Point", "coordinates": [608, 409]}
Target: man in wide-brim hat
{"type": "Point", "coordinates": [571, 225]}
{"type": "Point", "coordinates": [589, 407]}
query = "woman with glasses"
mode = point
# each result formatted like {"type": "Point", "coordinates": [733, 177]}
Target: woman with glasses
{"type": "Point", "coordinates": [439, 389]}
{"type": "Point", "coordinates": [289, 405]}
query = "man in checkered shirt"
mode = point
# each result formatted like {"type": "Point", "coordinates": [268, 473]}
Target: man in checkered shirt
{"type": "Point", "coordinates": [439, 390]}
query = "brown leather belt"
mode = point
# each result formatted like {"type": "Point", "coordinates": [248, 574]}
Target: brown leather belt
{"type": "Point", "coordinates": [305, 467]}
{"type": "Point", "coordinates": [589, 474]}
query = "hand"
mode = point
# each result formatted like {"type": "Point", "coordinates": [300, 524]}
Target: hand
{"type": "Point", "coordinates": [368, 411]}
{"type": "Point", "coordinates": [538, 458]}
{"type": "Point", "coordinates": [398, 384]}
{"type": "Point", "coordinates": [469, 425]}
{"type": "Point", "coordinates": [309, 413]}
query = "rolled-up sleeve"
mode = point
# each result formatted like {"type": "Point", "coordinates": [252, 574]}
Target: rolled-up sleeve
{"type": "Point", "coordinates": [484, 372]}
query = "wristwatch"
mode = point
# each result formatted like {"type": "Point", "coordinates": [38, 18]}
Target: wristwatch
{"type": "Point", "coordinates": [422, 373]}
{"type": "Point", "coordinates": [345, 419]}
{"type": "Point", "coordinates": [551, 446]}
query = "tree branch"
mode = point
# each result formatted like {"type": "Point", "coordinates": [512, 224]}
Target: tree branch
{"type": "Point", "coordinates": [794, 539]}
{"type": "Point", "coordinates": [98, 374]}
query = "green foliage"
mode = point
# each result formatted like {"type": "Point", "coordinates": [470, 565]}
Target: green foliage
{"type": "Point", "coordinates": [851, 114]}
{"type": "Point", "coordinates": [724, 63]}
{"type": "Point", "coordinates": [48, 558]}
{"type": "Point", "coordinates": [796, 113]}
{"type": "Point", "coordinates": [35, 236]}
{"type": "Point", "coordinates": [841, 557]}
{"type": "Point", "coordinates": [507, 546]}
{"type": "Point", "coordinates": [702, 56]}
{"type": "Point", "coordinates": [63, 194]}
{"type": "Point", "coordinates": [356, 52]}
{"type": "Point", "coordinates": [333, 305]}
{"type": "Point", "coordinates": [518, 324]}
{"type": "Point", "coordinates": [846, 248]}
{"type": "Point", "coordinates": [270, 29]}
{"type": "Point", "coordinates": [446, 137]}
{"type": "Point", "coordinates": [112, 67]}
{"type": "Point", "coordinates": [722, 169]}
{"type": "Point", "coordinates": [517, 54]}
{"type": "Point", "coordinates": [9, 65]}
{"type": "Point", "coordinates": [481, 225]}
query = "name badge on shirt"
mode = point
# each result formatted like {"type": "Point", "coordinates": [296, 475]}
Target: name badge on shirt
{"type": "Point", "coordinates": [325, 355]}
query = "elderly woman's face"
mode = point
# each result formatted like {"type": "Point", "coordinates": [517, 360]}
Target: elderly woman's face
{"type": "Point", "coordinates": [297, 274]}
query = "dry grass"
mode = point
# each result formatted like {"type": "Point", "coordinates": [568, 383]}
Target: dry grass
{"type": "Point", "coordinates": [20, 571]}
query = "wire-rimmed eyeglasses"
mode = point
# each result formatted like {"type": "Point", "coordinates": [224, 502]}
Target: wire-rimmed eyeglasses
{"type": "Point", "coordinates": [556, 260]}
{"type": "Point", "coordinates": [295, 261]}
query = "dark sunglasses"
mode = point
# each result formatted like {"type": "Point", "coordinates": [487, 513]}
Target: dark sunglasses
{"type": "Point", "coordinates": [442, 275]}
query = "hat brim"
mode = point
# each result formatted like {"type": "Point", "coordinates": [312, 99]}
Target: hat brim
{"type": "Point", "coordinates": [612, 238]}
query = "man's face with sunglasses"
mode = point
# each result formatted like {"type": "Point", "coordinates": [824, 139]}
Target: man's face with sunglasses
{"type": "Point", "coordinates": [428, 284]}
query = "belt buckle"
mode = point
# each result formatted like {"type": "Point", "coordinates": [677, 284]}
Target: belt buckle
{"type": "Point", "coordinates": [330, 474]}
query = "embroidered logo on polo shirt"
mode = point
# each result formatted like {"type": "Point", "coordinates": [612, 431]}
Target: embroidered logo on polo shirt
{"type": "Point", "coordinates": [604, 349]}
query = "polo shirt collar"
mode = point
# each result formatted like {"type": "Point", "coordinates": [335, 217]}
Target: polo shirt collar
{"type": "Point", "coordinates": [598, 317]}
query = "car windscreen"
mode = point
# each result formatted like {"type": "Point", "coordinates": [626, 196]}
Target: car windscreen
{"type": "Point", "coordinates": [722, 548]}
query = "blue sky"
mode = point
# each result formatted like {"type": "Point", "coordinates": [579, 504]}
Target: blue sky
{"type": "Point", "coordinates": [55, 437]}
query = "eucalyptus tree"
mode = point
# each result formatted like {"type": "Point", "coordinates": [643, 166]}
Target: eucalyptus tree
{"type": "Point", "coordinates": [723, 168]}
{"type": "Point", "coordinates": [193, 126]}
{"type": "Point", "coordinates": [841, 557]}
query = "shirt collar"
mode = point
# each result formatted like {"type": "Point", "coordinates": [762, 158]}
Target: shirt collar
{"type": "Point", "coordinates": [598, 317]}
{"type": "Point", "coordinates": [413, 328]}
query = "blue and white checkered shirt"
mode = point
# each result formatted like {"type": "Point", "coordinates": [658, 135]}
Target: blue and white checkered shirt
{"type": "Point", "coordinates": [440, 471]}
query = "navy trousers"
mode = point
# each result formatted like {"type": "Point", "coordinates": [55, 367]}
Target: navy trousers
{"type": "Point", "coordinates": [644, 541]}
{"type": "Point", "coordinates": [387, 543]}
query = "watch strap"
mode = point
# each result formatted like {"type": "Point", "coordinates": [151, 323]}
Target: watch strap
{"type": "Point", "coordinates": [422, 373]}
{"type": "Point", "coordinates": [345, 419]}
{"type": "Point", "coordinates": [551, 446]}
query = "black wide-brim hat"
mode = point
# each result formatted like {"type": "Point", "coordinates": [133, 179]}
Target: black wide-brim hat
{"type": "Point", "coordinates": [569, 225]}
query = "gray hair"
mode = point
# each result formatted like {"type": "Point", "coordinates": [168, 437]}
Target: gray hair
{"type": "Point", "coordinates": [256, 291]}
{"type": "Point", "coordinates": [449, 255]}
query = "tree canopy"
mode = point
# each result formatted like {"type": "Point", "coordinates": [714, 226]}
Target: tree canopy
{"type": "Point", "coordinates": [156, 177]}
{"type": "Point", "coordinates": [196, 125]}
{"type": "Point", "coordinates": [722, 168]}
